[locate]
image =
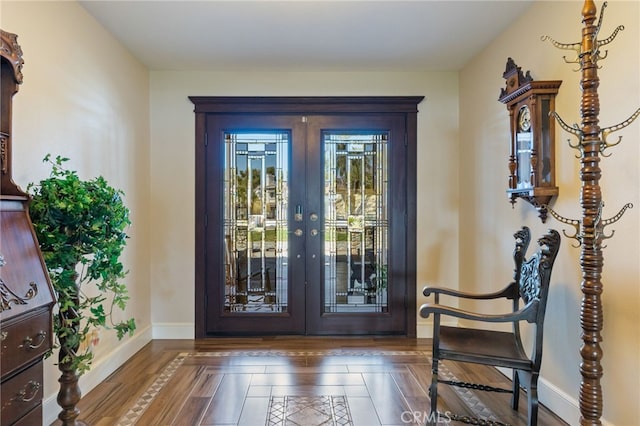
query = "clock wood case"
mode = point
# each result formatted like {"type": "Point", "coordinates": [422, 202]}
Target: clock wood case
{"type": "Point", "coordinates": [532, 137]}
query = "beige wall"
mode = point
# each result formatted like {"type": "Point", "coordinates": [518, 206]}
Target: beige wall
{"type": "Point", "coordinates": [487, 220]}
{"type": "Point", "coordinates": [86, 98]}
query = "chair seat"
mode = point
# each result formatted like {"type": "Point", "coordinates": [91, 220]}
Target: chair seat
{"type": "Point", "coordinates": [496, 348]}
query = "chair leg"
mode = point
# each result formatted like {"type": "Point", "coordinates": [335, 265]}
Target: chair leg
{"type": "Point", "coordinates": [433, 393]}
{"type": "Point", "coordinates": [515, 396]}
{"type": "Point", "coordinates": [532, 401]}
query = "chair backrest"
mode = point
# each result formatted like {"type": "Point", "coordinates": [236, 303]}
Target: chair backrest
{"type": "Point", "coordinates": [523, 237]}
{"type": "Point", "coordinates": [533, 276]}
{"type": "Point", "coordinates": [535, 273]}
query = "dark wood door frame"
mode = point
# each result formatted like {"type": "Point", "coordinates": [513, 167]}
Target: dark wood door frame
{"type": "Point", "coordinates": [205, 105]}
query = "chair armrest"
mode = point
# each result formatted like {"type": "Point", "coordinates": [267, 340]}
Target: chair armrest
{"type": "Point", "coordinates": [527, 313]}
{"type": "Point", "coordinates": [509, 292]}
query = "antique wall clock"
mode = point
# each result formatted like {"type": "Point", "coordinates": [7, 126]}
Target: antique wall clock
{"type": "Point", "coordinates": [532, 145]}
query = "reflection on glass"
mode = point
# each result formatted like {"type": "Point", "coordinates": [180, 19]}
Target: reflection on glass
{"type": "Point", "coordinates": [255, 221]}
{"type": "Point", "coordinates": [545, 176]}
{"type": "Point", "coordinates": [356, 222]}
{"type": "Point", "coordinates": [524, 142]}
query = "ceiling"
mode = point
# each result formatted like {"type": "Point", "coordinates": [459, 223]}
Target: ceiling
{"type": "Point", "coordinates": [305, 35]}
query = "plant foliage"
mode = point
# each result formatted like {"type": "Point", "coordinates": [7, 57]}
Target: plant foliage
{"type": "Point", "coordinates": [81, 226]}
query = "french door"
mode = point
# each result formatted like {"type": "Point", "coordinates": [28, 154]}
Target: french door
{"type": "Point", "coordinates": [303, 221]}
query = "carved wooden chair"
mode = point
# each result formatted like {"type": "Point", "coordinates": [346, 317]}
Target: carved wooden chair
{"type": "Point", "coordinates": [498, 348]}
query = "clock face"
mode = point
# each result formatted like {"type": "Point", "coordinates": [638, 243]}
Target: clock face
{"type": "Point", "coordinates": [524, 119]}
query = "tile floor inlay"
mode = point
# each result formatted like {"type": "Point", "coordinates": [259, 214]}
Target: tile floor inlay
{"type": "Point", "coordinates": [143, 402]}
{"type": "Point", "coordinates": [323, 410]}
{"type": "Point", "coordinates": [300, 410]}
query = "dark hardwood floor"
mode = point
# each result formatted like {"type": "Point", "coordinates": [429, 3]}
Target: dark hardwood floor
{"type": "Point", "coordinates": [291, 381]}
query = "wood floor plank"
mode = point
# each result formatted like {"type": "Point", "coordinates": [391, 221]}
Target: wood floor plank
{"type": "Point", "coordinates": [105, 421]}
{"type": "Point", "coordinates": [192, 411]}
{"type": "Point", "coordinates": [206, 385]}
{"type": "Point", "coordinates": [235, 369]}
{"type": "Point", "coordinates": [356, 391]}
{"type": "Point", "coordinates": [375, 368]}
{"type": "Point", "coordinates": [408, 384]}
{"type": "Point", "coordinates": [316, 369]}
{"type": "Point", "coordinates": [255, 391]}
{"type": "Point", "coordinates": [422, 375]}
{"type": "Point", "coordinates": [307, 390]}
{"type": "Point", "coordinates": [363, 412]}
{"type": "Point", "coordinates": [254, 412]}
{"type": "Point", "coordinates": [226, 404]}
{"type": "Point", "coordinates": [386, 396]}
{"type": "Point", "coordinates": [111, 394]}
{"type": "Point", "coordinates": [419, 406]}
{"type": "Point", "coordinates": [164, 409]}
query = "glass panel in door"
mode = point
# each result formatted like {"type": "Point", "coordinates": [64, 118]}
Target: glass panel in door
{"type": "Point", "coordinates": [255, 221]}
{"type": "Point", "coordinates": [355, 226]}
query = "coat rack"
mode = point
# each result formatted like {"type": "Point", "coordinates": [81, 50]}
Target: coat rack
{"type": "Point", "coordinates": [589, 232]}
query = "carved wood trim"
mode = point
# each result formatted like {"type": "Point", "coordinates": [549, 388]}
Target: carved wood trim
{"type": "Point", "coordinates": [11, 50]}
{"type": "Point", "coordinates": [4, 151]}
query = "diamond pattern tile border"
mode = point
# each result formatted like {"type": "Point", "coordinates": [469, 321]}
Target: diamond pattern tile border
{"type": "Point", "coordinates": [134, 413]}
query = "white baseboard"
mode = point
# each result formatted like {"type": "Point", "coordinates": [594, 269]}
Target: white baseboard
{"type": "Point", "coordinates": [172, 330]}
{"type": "Point", "coordinates": [424, 330]}
{"type": "Point", "coordinates": [100, 370]}
{"type": "Point", "coordinates": [562, 405]}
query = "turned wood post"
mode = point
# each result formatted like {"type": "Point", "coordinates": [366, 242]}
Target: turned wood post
{"type": "Point", "coordinates": [69, 393]}
{"type": "Point", "coordinates": [590, 229]}
{"type": "Point", "coordinates": [591, 258]}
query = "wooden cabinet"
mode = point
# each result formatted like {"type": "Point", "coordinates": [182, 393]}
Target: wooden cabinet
{"type": "Point", "coordinates": [27, 296]}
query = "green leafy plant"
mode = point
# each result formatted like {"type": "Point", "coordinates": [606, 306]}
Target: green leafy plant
{"type": "Point", "coordinates": [381, 277]}
{"type": "Point", "coordinates": [81, 226]}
